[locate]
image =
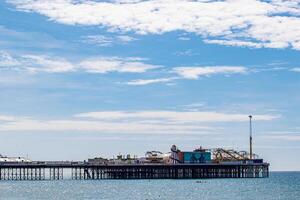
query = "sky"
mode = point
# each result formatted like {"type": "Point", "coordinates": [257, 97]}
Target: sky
{"type": "Point", "coordinates": [80, 79]}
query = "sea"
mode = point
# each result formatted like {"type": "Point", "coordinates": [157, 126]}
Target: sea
{"type": "Point", "coordinates": [279, 186]}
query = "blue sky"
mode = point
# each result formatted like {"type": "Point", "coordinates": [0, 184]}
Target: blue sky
{"type": "Point", "coordinates": [94, 78]}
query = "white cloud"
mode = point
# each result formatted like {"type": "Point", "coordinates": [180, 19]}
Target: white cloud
{"type": "Point", "coordinates": [188, 52]}
{"type": "Point", "coordinates": [126, 38]}
{"type": "Point", "coordinates": [6, 118]}
{"type": "Point", "coordinates": [196, 72]}
{"type": "Point", "coordinates": [37, 63]}
{"type": "Point", "coordinates": [102, 65]}
{"type": "Point", "coordinates": [103, 127]}
{"type": "Point", "coordinates": [102, 40]}
{"type": "Point", "coordinates": [174, 116]}
{"type": "Point", "coordinates": [256, 23]}
{"type": "Point", "coordinates": [99, 40]}
{"type": "Point", "coordinates": [6, 60]}
{"type": "Point", "coordinates": [41, 63]}
{"type": "Point", "coordinates": [193, 106]}
{"type": "Point", "coordinates": [191, 73]}
{"type": "Point", "coordinates": [283, 135]}
{"type": "Point", "coordinates": [235, 43]}
{"type": "Point", "coordinates": [296, 69]}
{"type": "Point", "coordinates": [150, 81]}
{"type": "Point", "coordinates": [184, 38]}
{"type": "Point", "coordinates": [157, 121]}
{"type": "Point", "coordinates": [114, 64]}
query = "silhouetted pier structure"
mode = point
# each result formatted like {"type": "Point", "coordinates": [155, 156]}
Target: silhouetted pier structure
{"type": "Point", "coordinates": [87, 171]}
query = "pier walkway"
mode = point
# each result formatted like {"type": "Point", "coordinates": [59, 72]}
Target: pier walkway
{"type": "Point", "coordinates": [82, 170]}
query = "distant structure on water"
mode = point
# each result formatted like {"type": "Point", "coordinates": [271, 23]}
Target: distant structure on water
{"type": "Point", "coordinates": [176, 164]}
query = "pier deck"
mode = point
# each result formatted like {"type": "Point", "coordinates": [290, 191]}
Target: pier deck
{"type": "Point", "coordinates": [86, 171]}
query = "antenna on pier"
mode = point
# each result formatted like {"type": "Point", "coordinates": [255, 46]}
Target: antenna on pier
{"type": "Point", "coordinates": [251, 153]}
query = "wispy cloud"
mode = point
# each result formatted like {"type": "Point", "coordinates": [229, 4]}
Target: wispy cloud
{"type": "Point", "coordinates": [270, 24]}
{"type": "Point", "coordinates": [153, 121]}
{"type": "Point", "coordinates": [235, 43]}
{"type": "Point", "coordinates": [196, 72]}
{"type": "Point", "coordinates": [6, 60]}
{"type": "Point", "coordinates": [151, 81]}
{"type": "Point", "coordinates": [191, 73]}
{"type": "Point", "coordinates": [188, 52]}
{"type": "Point", "coordinates": [102, 40]}
{"type": "Point", "coordinates": [125, 38]}
{"type": "Point", "coordinates": [7, 118]}
{"type": "Point", "coordinates": [50, 64]}
{"type": "Point", "coordinates": [297, 69]}
{"type": "Point", "coordinates": [15, 39]}
{"type": "Point", "coordinates": [115, 64]}
{"type": "Point", "coordinates": [184, 38]}
{"type": "Point", "coordinates": [283, 135]}
{"type": "Point", "coordinates": [174, 116]}
{"type": "Point", "coordinates": [36, 63]}
{"type": "Point", "coordinates": [193, 106]}
{"type": "Point", "coordinates": [102, 65]}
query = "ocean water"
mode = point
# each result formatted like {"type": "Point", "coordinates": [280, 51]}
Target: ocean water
{"type": "Point", "coordinates": [280, 185]}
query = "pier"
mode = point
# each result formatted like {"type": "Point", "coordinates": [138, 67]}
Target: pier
{"type": "Point", "coordinates": [86, 171]}
{"type": "Point", "coordinates": [176, 164]}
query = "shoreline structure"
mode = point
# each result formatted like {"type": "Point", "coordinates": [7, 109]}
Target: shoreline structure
{"type": "Point", "coordinates": [177, 164]}
{"type": "Point", "coordinates": [200, 163]}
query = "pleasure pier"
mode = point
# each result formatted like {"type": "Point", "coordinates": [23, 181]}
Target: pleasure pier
{"type": "Point", "coordinates": [176, 164]}
{"type": "Point", "coordinates": [196, 164]}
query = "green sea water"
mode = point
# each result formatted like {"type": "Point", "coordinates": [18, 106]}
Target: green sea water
{"type": "Point", "coordinates": [280, 185]}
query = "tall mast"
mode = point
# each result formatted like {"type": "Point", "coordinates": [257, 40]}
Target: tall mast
{"type": "Point", "coordinates": [251, 153]}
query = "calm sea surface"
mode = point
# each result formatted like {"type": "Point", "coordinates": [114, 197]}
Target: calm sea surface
{"type": "Point", "coordinates": [280, 185]}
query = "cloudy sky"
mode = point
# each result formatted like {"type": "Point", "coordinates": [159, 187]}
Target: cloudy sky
{"type": "Point", "coordinates": [94, 78]}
